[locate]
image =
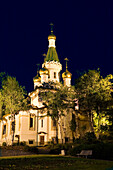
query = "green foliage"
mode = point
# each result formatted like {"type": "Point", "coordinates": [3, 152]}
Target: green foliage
{"type": "Point", "coordinates": [12, 96]}
{"type": "Point", "coordinates": [32, 149]}
{"type": "Point", "coordinates": [22, 143]}
{"type": "Point", "coordinates": [1, 104]}
{"type": "Point", "coordinates": [57, 98]}
{"type": "Point", "coordinates": [4, 144]}
{"type": "Point", "coordinates": [93, 90]}
{"type": "Point", "coordinates": [56, 149]}
{"type": "Point", "coordinates": [100, 150]}
{"type": "Point", "coordinates": [94, 95]}
{"type": "Point", "coordinates": [73, 123]}
{"type": "Point", "coordinates": [53, 162]}
{"type": "Point", "coordinates": [89, 138]}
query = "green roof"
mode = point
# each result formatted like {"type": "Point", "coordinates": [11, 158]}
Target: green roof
{"type": "Point", "coordinates": [51, 55]}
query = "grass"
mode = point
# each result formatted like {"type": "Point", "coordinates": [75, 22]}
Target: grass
{"type": "Point", "coordinates": [52, 162]}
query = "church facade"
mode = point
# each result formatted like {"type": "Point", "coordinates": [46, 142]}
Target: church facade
{"type": "Point", "coordinates": [33, 126]}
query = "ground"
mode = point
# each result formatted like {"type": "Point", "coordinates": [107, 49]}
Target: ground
{"type": "Point", "coordinates": [35, 162]}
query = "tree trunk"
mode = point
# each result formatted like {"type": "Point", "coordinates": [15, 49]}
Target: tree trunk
{"type": "Point", "coordinates": [13, 127]}
{"type": "Point", "coordinates": [90, 116]}
{"type": "Point", "coordinates": [57, 132]}
{"type": "Point", "coordinates": [77, 126]}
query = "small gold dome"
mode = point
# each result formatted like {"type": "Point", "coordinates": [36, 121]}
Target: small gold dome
{"type": "Point", "coordinates": [52, 36]}
{"type": "Point", "coordinates": [66, 74]}
{"type": "Point", "coordinates": [37, 78]}
{"type": "Point", "coordinates": [44, 70]}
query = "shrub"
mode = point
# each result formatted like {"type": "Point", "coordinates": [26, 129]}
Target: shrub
{"type": "Point", "coordinates": [22, 143]}
{"type": "Point", "coordinates": [15, 144]}
{"type": "Point", "coordinates": [4, 144]}
{"type": "Point", "coordinates": [31, 149]}
{"type": "Point", "coordinates": [56, 149]}
{"type": "Point", "coordinates": [100, 150]}
{"type": "Point", "coordinates": [89, 138]}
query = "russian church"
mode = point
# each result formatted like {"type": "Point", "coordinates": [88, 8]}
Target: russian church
{"type": "Point", "coordinates": [33, 126]}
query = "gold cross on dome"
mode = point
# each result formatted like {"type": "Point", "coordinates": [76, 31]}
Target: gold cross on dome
{"type": "Point", "coordinates": [51, 24]}
{"type": "Point", "coordinates": [66, 59]}
{"type": "Point", "coordinates": [44, 55]}
{"type": "Point", "coordinates": [38, 65]}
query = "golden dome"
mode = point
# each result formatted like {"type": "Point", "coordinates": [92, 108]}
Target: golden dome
{"type": "Point", "coordinates": [44, 70]}
{"type": "Point", "coordinates": [52, 36]}
{"type": "Point", "coordinates": [66, 74]}
{"type": "Point", "coordinates": [37, 78]}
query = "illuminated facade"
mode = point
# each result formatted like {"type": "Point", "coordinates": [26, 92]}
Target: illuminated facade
{"type": "Point", "coordinates": [32, 126]}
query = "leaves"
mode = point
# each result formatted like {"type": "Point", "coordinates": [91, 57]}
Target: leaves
{"type": "Point", "coordinates": [93, 90]}
{"type": "Point", "coordinates": [94, 96]}
{"type": "Point", "coordinates": [58, 98]}
{"type": "Point", "coordinates": [13, 95]}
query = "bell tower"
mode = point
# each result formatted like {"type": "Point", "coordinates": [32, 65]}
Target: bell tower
{"type": "Point", "coordinates": [51, 60]}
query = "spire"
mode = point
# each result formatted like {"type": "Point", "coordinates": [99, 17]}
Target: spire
{"type": "Point", "coordinates": [66, 59]}
{"type": "Point", "coordinates": [44, 55]}
{"type": "Point", "coordinates": [52, 36]}
{"type": "Point", "coordinates": [37, 78]}
{"type": "Point", "coordinates": [66, 74]}
{"type": "Point", "coordinates": [38, 65]}
{"type": "Point", "coordinates": [51, 24]}
{"type": "Point", "coordinates": [51, 54]}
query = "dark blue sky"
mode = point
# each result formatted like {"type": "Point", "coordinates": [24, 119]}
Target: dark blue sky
{"type": "Point", "coordinates": [84, 32]}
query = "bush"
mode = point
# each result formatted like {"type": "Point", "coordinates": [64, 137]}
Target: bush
{"type": "Point", "coordinates": [4, 144]}
{"type": "Point", "coordinates": [89, 138]}
{"type": "Point", "coordinates": [100, 150]}
{"type": "Point", "coordinates": [22, 143]}
{"type": "Point", "coordinates": [106, 137]}
{"type": "Point", "coordinates": [56, 149]}
{"type": "Point", "coordinates": [15, 144]}
{"type": "Point", "coordinates": [31, 149]}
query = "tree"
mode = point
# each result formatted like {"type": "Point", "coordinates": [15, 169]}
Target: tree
{"type": "Point", "coordinates": [57, 99]}
{"type": "Point", "coordinates": [73, 126]}
{"type": "Point", "coordinates": [13, 98]}
{"type": "Point", "coordinates": [1, 104]}
{"type": "Point", "coordinates": [94, 93]}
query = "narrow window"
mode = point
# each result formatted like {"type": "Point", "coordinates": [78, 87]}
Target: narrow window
{"type": "Point", "coordinates": [66, 139]}
{"type": "Point", "coordinates": [42, 123]}
{"type": "Point", "coordinates": [31, 122]}
{"type": "Point", "coordinates": [55, 75]}
{"type": "Point", "coordinates": [54, 122]}
{"type": "Point", "coordinates": [4, 129]}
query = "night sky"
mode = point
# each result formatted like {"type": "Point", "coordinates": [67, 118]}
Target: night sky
{"type": "Point", "coordinates": [83, 29]}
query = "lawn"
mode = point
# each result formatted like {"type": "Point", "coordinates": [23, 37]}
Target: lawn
{"type": "Point", "coordinates": [53, 162]}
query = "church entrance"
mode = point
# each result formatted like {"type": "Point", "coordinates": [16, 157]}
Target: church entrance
{"type": "Point", "coordinates": [41, 140]}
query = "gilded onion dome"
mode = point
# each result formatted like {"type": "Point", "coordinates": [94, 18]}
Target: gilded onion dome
{"type": "Point", "coordinates": [44, 70]}
{"type": "Point", "coordinates": [52, 36]}
{"type": "Point", "coordinates": [52, 53]}
{"type": "Point", "coordinates": [66, 74]}
{"type": "Point", "coordinates": [37, 78]}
